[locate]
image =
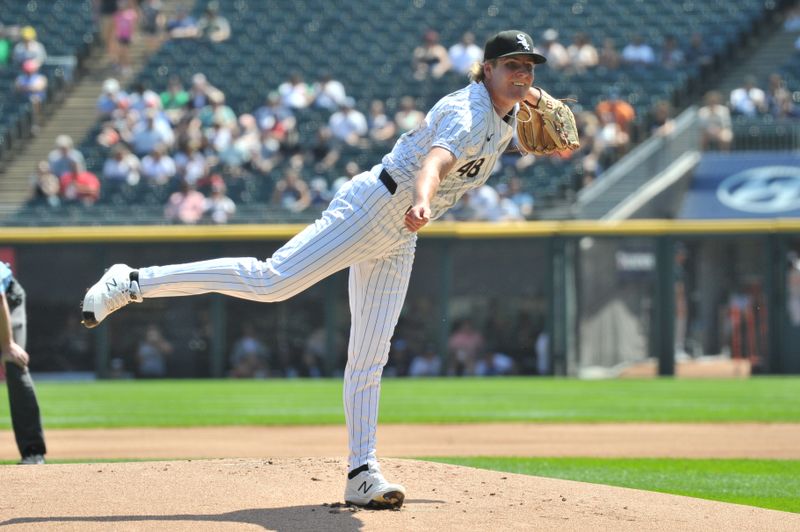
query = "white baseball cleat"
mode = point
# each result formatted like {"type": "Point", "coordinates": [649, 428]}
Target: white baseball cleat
{"type": "Point", "coordinates": [370, 490]}
{"type": "Point", "coordinates": [113, 291]}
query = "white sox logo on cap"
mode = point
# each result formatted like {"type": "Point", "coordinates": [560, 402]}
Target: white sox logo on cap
{"type": "Point", "coordinates": [511, 42]}
{"type": "Point", "coordinates": [523, 42]}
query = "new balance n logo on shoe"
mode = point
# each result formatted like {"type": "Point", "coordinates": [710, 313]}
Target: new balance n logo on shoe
{"type": "Point", "coordinates": [363, 487]}
{"type": "Point", "coordinates": [111, 283]}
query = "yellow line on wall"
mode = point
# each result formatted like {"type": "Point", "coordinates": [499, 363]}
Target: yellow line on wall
{"type": "Point", "coordinates": [458, 230]}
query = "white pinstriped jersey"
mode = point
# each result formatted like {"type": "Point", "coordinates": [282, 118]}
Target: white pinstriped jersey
{"type": "Point", "coordinates": [464, 123]}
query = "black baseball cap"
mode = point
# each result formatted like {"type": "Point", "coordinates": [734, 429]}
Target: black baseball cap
{"type": "Point", "coordinates": [511, 42]}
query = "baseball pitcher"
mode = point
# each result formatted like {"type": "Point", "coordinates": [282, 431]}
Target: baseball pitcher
{"type": "Point", "coordinates": [371, 227]}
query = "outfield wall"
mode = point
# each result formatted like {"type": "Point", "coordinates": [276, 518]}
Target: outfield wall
{"type": "Point", "coordinates": [605, 294]}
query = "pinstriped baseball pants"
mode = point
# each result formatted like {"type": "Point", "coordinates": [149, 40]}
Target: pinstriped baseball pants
{"type": "Point", "coordinates": [361, 229]}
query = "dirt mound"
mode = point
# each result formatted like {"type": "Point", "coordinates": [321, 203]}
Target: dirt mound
{"type": "Point", "coordinates": [306, 494]}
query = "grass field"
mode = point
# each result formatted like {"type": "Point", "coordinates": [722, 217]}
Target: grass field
{"type": "Point", "coordinates": [313, 402]}
{"type": "Point", "coordinates": [773, 484]}
{"type": "Point", "coordinates": [766, 483]}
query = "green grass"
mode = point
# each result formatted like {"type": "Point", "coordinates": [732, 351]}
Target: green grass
{"type": "Point", "coordinates": [308, 402]}
{"type": "Point", "coordinates": [773, 484]}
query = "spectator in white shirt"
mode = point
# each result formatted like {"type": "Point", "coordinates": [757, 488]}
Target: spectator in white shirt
{"type": "Point", "coordinates": [464, 53]}
{"type": "Point", "coordinates": [748, 100]}
{"type": "Point", "coordinates": [348, 124]}
{"type": "Point", "coordinates": [329, 93]}
{"type": "Point", "coordinates": [638, 52]}
{"type": "Point", "coordinates": [158, 167]}
{"type": "Point", "coordinates": [121, 167]}
{"type": "Point", "coordinates": [554, 51]}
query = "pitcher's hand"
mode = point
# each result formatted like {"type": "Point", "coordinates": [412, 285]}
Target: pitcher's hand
{"type": "Point", "coordinates": [417, 217]}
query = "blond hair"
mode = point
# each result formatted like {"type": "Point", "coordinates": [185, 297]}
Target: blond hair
{"type": "Point", "coordinates": [476, 72]}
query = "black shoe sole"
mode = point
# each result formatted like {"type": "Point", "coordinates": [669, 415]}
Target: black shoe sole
{"type": "Point", "coordinates": [392, 500]}
{"type": "Point", "coordinates": [88, 320]}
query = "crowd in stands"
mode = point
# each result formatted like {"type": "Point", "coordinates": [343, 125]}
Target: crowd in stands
{"type": "Point", "coordinates": [185, 147]}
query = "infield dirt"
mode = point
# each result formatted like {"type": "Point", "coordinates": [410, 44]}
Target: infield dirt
{"type": "Point", "coordinates": [294, 486]}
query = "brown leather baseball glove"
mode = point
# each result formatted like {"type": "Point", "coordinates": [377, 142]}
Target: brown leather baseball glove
{"type": "Point", "coordinates": [546, 126]}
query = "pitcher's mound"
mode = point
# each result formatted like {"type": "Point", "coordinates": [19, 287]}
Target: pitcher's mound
{"type": "Point", "coordinates": [306, 494]}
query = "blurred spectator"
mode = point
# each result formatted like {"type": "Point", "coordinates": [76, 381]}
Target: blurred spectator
{"type": "Point", "coordinates": [792, 21]}
{"type": "Point", "coordinates": [190, 163]}
{"type": "Point", "coordinates": [186, 205]}
{"type": "Point", "coordinates": [325, 151]}
{"type": "Point", "coordinates": [249, 356]}
{"type": "Point", "coordinates": [75, 345]}
{"type": "Point", "coordinates": [200, 91]}
{"type": "Point", "coordinates": [494, 364]}
{"type": "Point", "coordinates": [142, 98]}
{"type": "Point", "coordinates": [5, 46]}
{"type": "Point", "coordinates": [153, 23]}
{"type": "Point", "coordinates": [151, 132]}
{"type": "Point", "coordinates": [554, 51]}
{"type": "Point", "coordinates": [125, 20]}
{"type": "Point", "coordinates": [542, 347]}
{"type": "Point", "coordinates": [348, 124]}
{"type": "Point", "coordinates": [523, 200]}
{"type": "Point", "coordinates": [315, 351]}
{"type": "Point", "coordinates": [291, 192]}
{"type": "Point", "coordinates": [158, 167]}
{"type": "Point", "coordinates": [245, 144]}
{"type": "Point", "coordinates": [212, 25]}
{"type": "Point", "coordinates": [486, 202]}
{"type": "Point", "coordinates": [408, 116]}
{"type": "Point", "coordinates": [465, 52]}
{"type": "Point", "coordinates": [105, 10]}
{"type": "Point", "coordinates": [748, 100]}
{"type": "Point", "coordinates": [296, 93]}
{"type": "Point", "coordinates": [671, 56]}
{"type": "Point", "coordinates": [45, 186]}
{"type": "Point", "coordinates": [465, 346]}
{"type": "Point", "coordinates": [268, 153]}
{"type": "Point", "coordinates": [608, 56]}
{"type": "Point", "coordinates": [715, 123]}
{"type": "Point", "coordinates": [621, 111]}
{"type": "Point", "coordinates": [430, 58]}
{"type": "Point", "coordinates": [63, 155]}
{"type": "Point", "coordinates": [351, 169]}
{"type": "Point", "coordinates": [659, 121]}
{"type": "Point", "coordinates": [463, 210]}
{"type": "Point", "coordinates": [697, 52]}
{"type": "Point", "coordinates": [152, 354]}
{"type": "Point", "coordinates": [78, 185]}
{"type": "Point", "coordinates": [320, 195]}
{"type": "Point", "coordinates": [508, 210]}
{"type": "Point", "coordinates": [182, 25]}
{"type": "Point", "coordinates": [121, 168]}
{"type": "Point", "coordinates": [400, 354]}
{"type": "Point", "coordinates": [28, 49]}
{"type": "Point", "coordinates": [426, 364]}
{"type": "Point", "coordinates": [111, 99]}
{"type": "Point", "coordinates": [174, 100]}
{"type": "Point", "coordinates": [33, 85]}
{"type": "Point", "coordinates": [216, 112]}
{"type": "Point", "coordinates": [582, 53]}
{"type": "Point", "coordinates": [638, 53]}
{"type": "Point", "coordinates": [328, 93]}
{"type": "Point", "coordinates": [611, 142]}
{"type": "Point", "coordinates": [779, 98]}
{"type": "Point", "coordinates": [274, 115]}
{"type": "Point", "coordinates": [218, 206]}
{"type": "Point", "coordinates": [381, 128]}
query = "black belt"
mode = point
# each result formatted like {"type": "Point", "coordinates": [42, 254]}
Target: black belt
{"type": "Point", "coordinates": [388, 182]}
